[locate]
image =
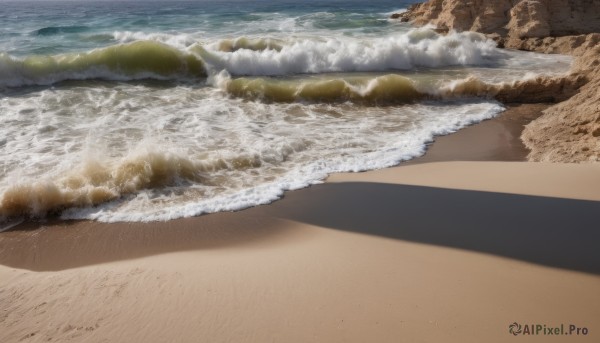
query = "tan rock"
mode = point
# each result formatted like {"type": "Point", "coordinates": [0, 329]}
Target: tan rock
{"type": "Point", "coordinates": [551, 137]}
{"type": "Point", "coordinates": [570, 130]}
{"type": "Point", "coordinates": [511, 18]}
{"type": "Point", "coordinates": [529, 19]}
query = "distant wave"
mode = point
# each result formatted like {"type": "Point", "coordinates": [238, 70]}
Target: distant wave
{"type": "Point", "coordinates": [55, 30]}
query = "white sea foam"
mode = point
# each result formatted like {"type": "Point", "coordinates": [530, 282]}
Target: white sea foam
{"type": "Point", "coordinates": [137, 153]}
{"type": "Point", "coordinates": [402, 147]}
{"type": "Point", "coordinates": [178, 40]}
{"type": "Point", "coordinates": [400, 10]}
{"type": "Point", "coordinates": [417, 48]}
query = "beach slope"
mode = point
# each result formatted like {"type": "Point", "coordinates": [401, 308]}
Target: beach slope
{"type": "Point", "coordinates": [432, 251]}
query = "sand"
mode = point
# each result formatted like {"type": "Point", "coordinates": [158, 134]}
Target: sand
{"type": "Point", "coordinates": [452, 247]}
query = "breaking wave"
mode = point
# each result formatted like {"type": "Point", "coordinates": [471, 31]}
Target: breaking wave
{"type": "Point", "coordinates": [417, 48]}
{"type": "Point", "coordinates": [390, 89]}
{"type": "Point", "coordinates": [138, 60]}
{"type": "Point", "coordinates": [95, 182]}
{"type": "Point", "coordinates": [253, 44]}
{"type": "Point", "coordinates": [379, 90]}
{"type": "Point", "coordinates": [163, 56]}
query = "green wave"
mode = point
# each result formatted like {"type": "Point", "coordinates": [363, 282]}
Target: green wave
{"type": "Point", "coordinates": [138, 60]}
{"type": "Point", "coordinates": [379, 90]}
{"type": "Point", "coordinates": [254, 44]}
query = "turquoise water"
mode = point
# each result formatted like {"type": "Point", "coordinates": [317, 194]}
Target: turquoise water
{"type": "Point", "coordinates": [142, 110]}
{"type": "Point", "coordinates": [51, 27]}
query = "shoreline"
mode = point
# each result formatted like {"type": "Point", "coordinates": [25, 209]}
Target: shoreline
{"type": "Point", "coordinates": [450, 246]}
{"type": "Point", "coordinates": [498, 139]}
{"type": "Point", "coordinates": [495, 139]}
{"type": "Point", "coordinates": [31, 243]}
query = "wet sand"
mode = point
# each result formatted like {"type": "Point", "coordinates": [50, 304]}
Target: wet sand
{"type": "Point", "coordinates": [453, 246]}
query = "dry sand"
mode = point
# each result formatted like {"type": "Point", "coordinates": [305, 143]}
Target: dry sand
{"type": "Point", "coordinates": [437, 250]}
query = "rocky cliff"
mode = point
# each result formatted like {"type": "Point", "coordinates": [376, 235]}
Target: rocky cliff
{"type": "Point", "coordinates": [512, 20]}
{"type": "Point", "coordinates": [570, 130]}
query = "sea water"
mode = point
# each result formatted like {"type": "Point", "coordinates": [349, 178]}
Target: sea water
{"type": "Point", "coordinates": [155, 110]}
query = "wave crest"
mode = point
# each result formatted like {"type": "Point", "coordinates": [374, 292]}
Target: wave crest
{"type": "Point", "coordinates": [254, 44]}
{"type": "Point", "coordinates": [379, 90]}
{"type": "Point", "coordinates": [417, 48]}
{"type": "Point", "coordinates": [138, 60]}
{"type": "Point", "coordinates": [96, 182]}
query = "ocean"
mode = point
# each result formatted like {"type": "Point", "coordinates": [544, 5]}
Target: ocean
{"type": "Point", "coordinates": [156, 110]}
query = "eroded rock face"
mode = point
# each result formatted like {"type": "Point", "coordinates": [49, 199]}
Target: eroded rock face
{"type": "Point", "coordinates": [570, 130]}
{"type": "Point", "coordinates": [529, 19]}
{"type": "Point", "coordinates": [513, 18]}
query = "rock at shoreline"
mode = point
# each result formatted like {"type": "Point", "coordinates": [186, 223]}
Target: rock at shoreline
{"type": "Point", "coordinates": [406, 16]}
{"type": "Point", "coordinates": [570, 130]}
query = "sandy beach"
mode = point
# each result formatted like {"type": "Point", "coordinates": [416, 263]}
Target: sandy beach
{"type": "Point", "coordinates": [451, 247]}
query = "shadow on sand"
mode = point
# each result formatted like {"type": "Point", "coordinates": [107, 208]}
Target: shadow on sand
{"type": "Point", "coordinates": [553, 232]}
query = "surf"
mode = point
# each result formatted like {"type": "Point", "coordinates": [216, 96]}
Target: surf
{"type": "Point", "coordinates": [248, 104]}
